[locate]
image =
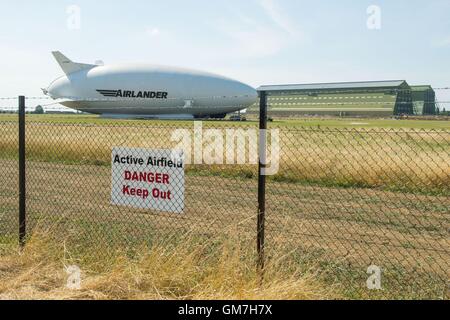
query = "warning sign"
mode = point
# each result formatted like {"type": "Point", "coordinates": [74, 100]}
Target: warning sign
{"type": "Point", "coordinates": [148, 179]}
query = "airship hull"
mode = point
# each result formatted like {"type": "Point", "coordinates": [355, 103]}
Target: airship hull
{"type": "Point", "coordinates": [149, 91]}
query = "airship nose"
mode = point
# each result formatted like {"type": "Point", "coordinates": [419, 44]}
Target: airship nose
{"type": "Point", "coordinates": [59, 88]}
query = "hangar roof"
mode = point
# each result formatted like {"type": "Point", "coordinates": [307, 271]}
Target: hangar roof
{"type": "Point", "coordinates": [421, 88]}
{"type": "Point", "coordinates": [336, 86]}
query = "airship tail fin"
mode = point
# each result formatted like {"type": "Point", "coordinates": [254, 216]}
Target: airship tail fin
{"type": "Point", "coordinates": [68, 66]}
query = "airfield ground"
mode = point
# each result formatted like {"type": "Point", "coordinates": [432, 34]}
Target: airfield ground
{"type": "Point", "coordinates": [306, 122]}
{"type": "Point", "coordinates": [343, 201]}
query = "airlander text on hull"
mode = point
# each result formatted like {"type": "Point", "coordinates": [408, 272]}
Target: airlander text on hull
{"type": "Point", "coordinates": [133, 94]}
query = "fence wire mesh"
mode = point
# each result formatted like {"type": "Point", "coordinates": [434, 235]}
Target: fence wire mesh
{"type": "Point", "coordinates": [349, 199]}
{"type": "Point", "coordinates": [342, 200]}
{"type": "Point", "coordinates": [69, 183]}
{"type": "Point", "coordinates": [9, 172]}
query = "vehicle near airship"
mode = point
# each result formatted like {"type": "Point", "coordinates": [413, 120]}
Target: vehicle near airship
{"type": "Point", "coordinates": [147, 91]}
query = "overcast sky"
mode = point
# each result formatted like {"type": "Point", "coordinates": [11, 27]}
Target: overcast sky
{"type": "Point", "coordinates": [255, 41]}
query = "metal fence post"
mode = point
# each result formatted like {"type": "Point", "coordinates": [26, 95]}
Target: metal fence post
{"type": "Point", "coordinates": [22, 182]}
{"type": "Point", "coordinates": [262, 177]}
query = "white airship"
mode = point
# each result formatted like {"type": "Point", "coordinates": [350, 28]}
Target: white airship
{"type": "Point", "coordinates": [147, 91]}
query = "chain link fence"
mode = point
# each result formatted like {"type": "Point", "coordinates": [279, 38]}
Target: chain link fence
{"type": "Point", "coordinates": [343, 201]}
{"type": "Point", "coordinates": [9, 181]}
{"type": "Point", "coordinates": [357, 199]}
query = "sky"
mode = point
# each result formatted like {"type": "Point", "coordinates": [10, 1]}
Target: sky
{"type": "Point", "coordinates": [255, 41]}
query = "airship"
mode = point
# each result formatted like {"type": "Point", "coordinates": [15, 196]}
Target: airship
{"type": "Point", "coordinates": [144, 91]}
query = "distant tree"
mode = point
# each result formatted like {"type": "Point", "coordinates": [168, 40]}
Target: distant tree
{"type": "Point", "coordinates": [39, 110]}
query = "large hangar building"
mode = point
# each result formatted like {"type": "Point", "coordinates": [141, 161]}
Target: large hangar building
{"type": "Point", "coordinates": [424, 100]}
{"type": "Point", "coordinates": [369, 98]}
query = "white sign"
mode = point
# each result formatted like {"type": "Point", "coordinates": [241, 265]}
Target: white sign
{"type": "Point", "coordinates": [148, 179]}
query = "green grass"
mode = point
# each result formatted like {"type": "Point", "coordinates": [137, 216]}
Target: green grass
{"type": "Point", "coordinates": [303, 122]}
{"type": "Point", "coordinates": [366, 123]}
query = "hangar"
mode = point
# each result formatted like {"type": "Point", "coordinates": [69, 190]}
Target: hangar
{"type": "Point", "coordinates": [424, 100]}
{"type": "Point", "coordinates": [368, 98]}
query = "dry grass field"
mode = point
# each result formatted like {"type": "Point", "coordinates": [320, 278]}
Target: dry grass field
{"type": "Point", "coordinates": [393, 159]}
{"type": "Point", "coordinates": [186, 270]}
{"type": "Point", "coordinates": [343, 200]}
